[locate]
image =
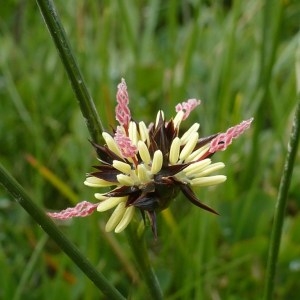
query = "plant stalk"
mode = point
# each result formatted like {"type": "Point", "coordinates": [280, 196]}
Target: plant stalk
{"type": "Point", "coordinates": [140, 253]}
{"type": "Point", "coordinates": [62, 44]}
{"type": "Point", "coordinates": [18, 193]}
{"type": "Point", "coordinates": [281, 205]}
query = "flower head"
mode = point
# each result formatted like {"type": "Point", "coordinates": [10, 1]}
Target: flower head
{"type": "Point", "coordinates": [147, 166]}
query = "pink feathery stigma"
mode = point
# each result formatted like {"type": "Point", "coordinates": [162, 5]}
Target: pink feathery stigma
{"type": "Point", "coordinates": [125, 144]}
{"type": "Point", "coordinates": [187, 107]}
{"type": "Point", "coordinates": [223, 140]}
{"type": "Point", "coordinates": [82, 209]}
{"type": "Point", "coordinates": [123, 114]}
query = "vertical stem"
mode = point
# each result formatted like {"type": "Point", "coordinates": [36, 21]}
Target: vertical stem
{"type": "Point", "coordinates": [141, 256]}
{"type": "Point", "coordinates": [18, 193]}
{"type": "Point", "coordinates": [60, 39]}
{"type": "Point", "coordinates": [280, 206]}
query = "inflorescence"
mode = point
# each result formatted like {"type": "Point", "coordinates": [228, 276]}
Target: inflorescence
{"type": "Point", "coordinates": [147, 166]}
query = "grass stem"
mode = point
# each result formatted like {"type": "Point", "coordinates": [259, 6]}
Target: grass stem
{"type": "Point", "coordinates": [140, 253]}
{"type": "Point", "coordinates": [62, 44]}
{"type": "Point", "coordinates": [281, 205]}
{"type": "Point", "coordinates": [18, 193]}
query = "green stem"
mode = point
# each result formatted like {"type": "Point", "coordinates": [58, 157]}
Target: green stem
{"type": "Point", "coordinates": [140, 253]}
{"type": "Point", "coordinates": [18, 193]}
{"type": "Point", "coordinates": [60, 39]}
{"type": "Point", "coordinates": [280, 206]}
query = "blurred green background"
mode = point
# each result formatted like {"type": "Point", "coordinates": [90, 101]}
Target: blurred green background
{"type": "Point", "coordinates": [237, 56]}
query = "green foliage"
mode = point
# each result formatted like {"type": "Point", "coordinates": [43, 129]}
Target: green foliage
{"type": "Point", "coordinates": [223, 52]}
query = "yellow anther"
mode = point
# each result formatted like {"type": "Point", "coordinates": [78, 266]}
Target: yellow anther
{"type": "Point", "coordinates": [144, 152]}
{"type": "Point", "coordinates": [121, 166]}
{"type": "Point", "coordinates": [157, 162]}
{"type": "Point", "coordinates": [111, 144]}
{"type": "Point", "coordinates": [186, 136]}
{"type": "Point", "coordinates": [129, 212]}
{"type": "Point", "coordinates": [144, 133]}
{"type": "Point", "coordinates": [206, 181]}
{"type": "Point", "coordinates": [116, 217]}
{"type": "Point", "coordinates": [110, 203]}
{"type": "Point", "coordinates": [97, 182]}
{"type": "Point", "coordinates": [125, 180]}
{"type": "Point", "coordinates": [189, 146]}
{"type": "Point", "coordinates": [174, 151]}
